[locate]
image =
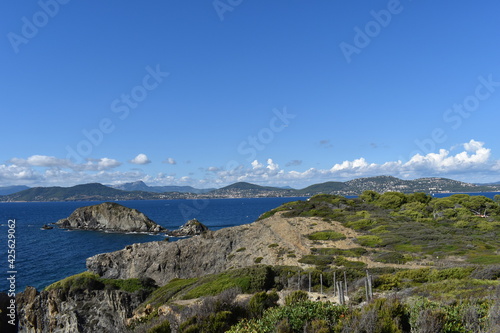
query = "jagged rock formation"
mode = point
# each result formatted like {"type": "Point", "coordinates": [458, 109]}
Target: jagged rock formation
{"type": "Point", "coordinates": [190, 228]}
{"type": "Point", "coordinates": [60, 311]}
{"type": "Point", "coordinates": [211, 252]}
{"type": "Point", "coordinates": [109, 216]}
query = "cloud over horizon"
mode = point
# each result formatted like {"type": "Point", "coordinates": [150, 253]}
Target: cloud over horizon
{"type": "Point", "coordinates": [140, 159]}
{"type": "Point", "coordinates": [470, 161]}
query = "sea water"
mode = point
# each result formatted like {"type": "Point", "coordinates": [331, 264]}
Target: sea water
{"type": "Point", "coordinates": [45, 256]}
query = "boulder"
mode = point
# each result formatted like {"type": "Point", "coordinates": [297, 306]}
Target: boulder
{"type": "Point", "coordinates": [190, 228]}
{"type": "Point", "coordinates": [109, 216]}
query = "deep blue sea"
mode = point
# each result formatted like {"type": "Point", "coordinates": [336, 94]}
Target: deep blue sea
{"type": "Point", "coordinates": [490, 195]}
{"type": "Point", "coordinates": [46, 256]}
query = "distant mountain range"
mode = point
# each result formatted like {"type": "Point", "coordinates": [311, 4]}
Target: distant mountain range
{"type": "Point", "coordinates": [141, 191]}
{"type": "Point", "coordinates": [12, 189]}
{"type": "Point", "coordinates": [489, 184]}
{"type": "Point", "coordinates": [141, 186]}
{"type": "Point", "coordinates": [85, 192]}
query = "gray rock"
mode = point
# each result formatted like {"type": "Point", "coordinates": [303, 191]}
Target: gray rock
{"type": "Point", "coordinates": [209, 253]}
{"type": "Point", "coordinates": [190, 228]}
{"type": "Point", "coordinates": [89, 311]}
{"type": "Point", "coordinates": [109, 216]}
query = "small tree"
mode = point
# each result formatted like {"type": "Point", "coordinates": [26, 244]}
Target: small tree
{"type": "Point", "coordinates": [391, 200]}
{"type": "Point", "coordinates": [369, 196]}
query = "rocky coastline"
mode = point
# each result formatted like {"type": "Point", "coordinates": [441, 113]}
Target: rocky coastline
{"type": "Point", "coordinates": [113, 217]}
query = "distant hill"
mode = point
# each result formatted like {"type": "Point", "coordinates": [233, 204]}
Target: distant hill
{"type": "Point", "coordinates": [141, 186]}
{"type": "Point", "coordinates": [489, 184]}
{"type": "Point", "coordinates": [383, 184]}
{"type": "Point", "coordinates": [85, 192]}
{"type": "Point", "coordinates": [138, 190]}
{"type": "Point", "coordinates": [12, 189]}
{"type": "Point", "coordinates": [243, 189]}
{"type": "Point", "coordinates": [328, 187]}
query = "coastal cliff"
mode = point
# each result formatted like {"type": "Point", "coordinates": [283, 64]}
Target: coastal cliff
{"type": "Point", "coordinates": [84, 311]}
{"type": "Point", "coordinates": [211, 252]}
{"type": "Point", "coordinates": [109, 216]}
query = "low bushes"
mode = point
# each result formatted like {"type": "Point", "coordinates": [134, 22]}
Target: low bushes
{"type": "Point", "coordinates": [91, 281]}
{"type": "Point", "coordinates": [326, 235]}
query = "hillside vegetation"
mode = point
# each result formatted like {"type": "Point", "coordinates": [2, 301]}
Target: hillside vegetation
{"type": "Point", "coordinates": [433, 266]}
{"type": "Point", "coordinates": [405, 227]}
{"type": "Point", "coordinates": [454, 240]}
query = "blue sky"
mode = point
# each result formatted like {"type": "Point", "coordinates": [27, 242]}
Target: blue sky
{"type": "Point", "coordinates": [208, 93]}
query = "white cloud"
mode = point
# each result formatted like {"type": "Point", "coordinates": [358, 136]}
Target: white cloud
{"type": "Point", "coordinates": [271, 165]}
{"type": "Point", "coordinates": [98, 165]}
{"type": "Point", "coordinates": [15, 174]}
{"type": "Point", "coordinates": [471, 161]}
{"type": "Point", "coordinates": [41, 161]}
{"type": "Point", "coordinates": [140, 159]}
{"type": "Point", "coordinates": [170, 160]}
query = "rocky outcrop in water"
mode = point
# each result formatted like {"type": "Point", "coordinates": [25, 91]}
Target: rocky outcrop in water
{"type": "Point", "coordinates": [109, 216]}
{"type": "Point", "coordinates": [190, 228]}
{"type": "Point", "coordinates": [60, 311]}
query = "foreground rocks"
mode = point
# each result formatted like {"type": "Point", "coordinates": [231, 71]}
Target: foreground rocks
{"type": "Point", "coordinates": [109, 216]}
{"type": "Point", "coordinates": [85, 311]}
{"type": "Point", "coordinates": [212, 252]}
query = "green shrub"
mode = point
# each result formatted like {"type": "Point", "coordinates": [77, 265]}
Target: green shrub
{"type": "Point", "coordinates": [354, 252]}
{"type": "Point", "coordinates": [258, 260]}
{"type": "Point", "coordinates": [391, 200]}
{"type": "Point", "coordinates": [298, 296]}
{"type": "Point", "coordinates": [262, 301]}
{"type": "Point", "coordinates": [319, 260]}
{"type": "Point", "coordinates": [390, 258]}
{"type": "Point", "coordinates": [241, 249]}
{"type": "Point", "coordinates": [491, 272]}
{"type": "Point", "coordinates": [248, 279]}
{"type": "Point", "coordinates": [326, 235]}
{"type": "Point", "coordinates": [293, 318]}
{"type": "Point", "coordinates": [341, 261]}
{"type": "Point", "coordinates": [369, 241]}
{"type": "Point", "coordinates": [164, 327]}
{"type": "Point", "coordinates": [381, 315]}
{"type": "Point", "coordinates": [163, 294]}
{"type": "Point", "coordinates": [362, 224]}
{"type": "Point", "coordinates": [92, 281]}
{"type": "Point", "coordinates": [130, 285]}
{"type": "Point", "coordinates": [485, 259]}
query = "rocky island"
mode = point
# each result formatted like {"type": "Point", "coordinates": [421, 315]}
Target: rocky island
{"type": "Point", "coordinates": [109, 216]}
{"type": "Point", "coordinates": [190, 228]}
